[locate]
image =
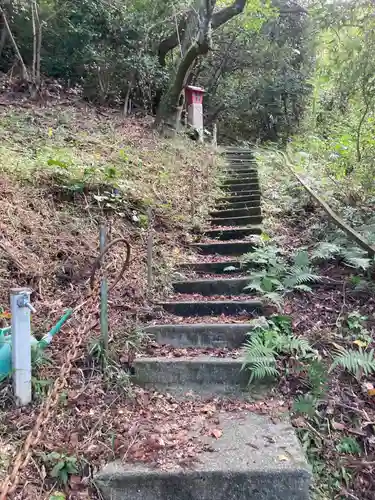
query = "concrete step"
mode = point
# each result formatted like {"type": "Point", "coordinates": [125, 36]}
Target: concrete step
{"type": "Point", "coordinates": [233, 159]}
{"type": "Point", "coordinates": [215, 307]}
{"type": "Point", "coordinates": [236, 212]}
{"type": "Point", "coordinates": [251, 181]}
{"type": "Point", "coordinates": [237, 221]}
{"type": "Point", "coordinates": [222, 286]}
{"type": "Point", "coordinates": [242, 171]}
{"type": "Point", "coordinates": [234, 198]}
{"type": "Point", "coordinates": [240, 153]}
{"type": "Point", "coordinates": [211, 267]}
{"type": "Point", "coordinates": [248, 165]}
{"type": "Point", "coordinates": [237, 205]}
{"type": "Point", "coordinates": [225, 335]}
{"type": "Point", "coordinates": [223, 248]}
{"type": "Point", "coordinates": [237, 188]}
{"type": "Point", "coordinates": [234, 162]}
{"type": "Point", "coordinates": [200, 373]}
{"type": "Point", "coordinates": [238, 167]}
{"type": "Point", "coordinates": [246, 463]}
{"type": "Point", "coordinates": [242, 168]}
{"type": "Point", "coordinates": [243, 193]}
{"type": "Point", "coordinates": [239, 179]}
{"type": "Point", "coordinates": [233, 233]}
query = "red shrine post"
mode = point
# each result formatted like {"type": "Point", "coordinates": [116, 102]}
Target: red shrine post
{"type": "Point", "coordinates": [194, 102]}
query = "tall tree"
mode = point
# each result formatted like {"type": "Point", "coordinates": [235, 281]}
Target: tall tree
{"type": "Point", "coordinates": [193, 35]}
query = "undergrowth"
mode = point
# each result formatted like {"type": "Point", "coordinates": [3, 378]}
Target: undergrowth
{"type": "Point", "coordinates": [65, 171]}
{"type": "Point", "coordinates": [121, 165]}
{"type": "Point", "coordinates": [324, 358]}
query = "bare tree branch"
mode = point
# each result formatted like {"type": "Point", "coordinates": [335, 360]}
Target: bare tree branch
{"type": "Point", "coordinates": [172, 41]}
{"type": "Point", "coordinates": [219, 18]}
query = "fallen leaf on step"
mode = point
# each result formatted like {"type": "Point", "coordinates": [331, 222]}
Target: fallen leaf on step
{"type": "Point", "coordinates": [133, 429]}
{"type": "Point", "coordinates": [75, 481]}
{"type": "Point", "coordinates": [216, 433]}
{"type": "Point", "coordinates": [209, 409]}
{"type": "Point", "coordinates": [299, 422]}
{"type": "Point", "coordinates": [369, 388]}
{"type": "Point", "coordinates": [360, 343]}
{"type": "Point", "coordinates": [338, 426]}
{"type": "Point", "coordinates": [283, 458]}
{"type": "Point", "coordinates": [156, 442]}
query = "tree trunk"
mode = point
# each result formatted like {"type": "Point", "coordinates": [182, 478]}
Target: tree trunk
{"type": "Point", "coordinates": [214, 135]}
{"type": "Point", "coordinates": [194, 36]}
{"type": "Point", "coordinates": [170, 108]}
{"type": "Point", "coordinates": [127, 95]}
{"type": "Point", "coordinates": [3, 39]}
{"type": "Point", "coordinates": [35, 41]}
{"type": "Point", "coordinates": [25, 74]}
{"type": "Point", "coordinates": [359, 130]}
{"type": "Point", "coordinates": [38, 47]}
{"type": "Point", "coordinates": [4, 30]}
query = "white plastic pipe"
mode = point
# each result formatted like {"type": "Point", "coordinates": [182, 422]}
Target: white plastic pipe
{"type": "Point", "coordinates": [21, 344]}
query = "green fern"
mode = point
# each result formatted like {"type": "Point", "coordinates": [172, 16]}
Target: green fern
{"type": "Point", "coordinates": [265, 281]}
{"type": "Point", "coordinates": [326, 251]}
{"type": "Point", "coordinates": [266, 342]}
{"type": "Point", "coordinates": [301, 260]}
{"type": "Point", "coordinates": [298, 345]}
{"type": "Point", "coordinates": [351, 256]}
{"type": "Point", "coordinates": [357, 262]}
{"type": "Point", "coordinates": [300, 276]}
{"type": "Point", "coordinates": [305, 405]}
{"type": "Point", "coordinates": [255, 286]}
{"type": "Point", "coordinates": [277, 276]}
{"type": "Point", "coordinates": [317, 378]}
{"type": "Point", "coordinates": [260, 357]}
{"type": "Point", "coordinates": [349, 445]}
{"type": "Point", "coordinates": [273, 298]}
{"type": "Point", "coordinates": [265, 255]}
{"type": "Point", "coordinates": [261, 370]}
{"type": "Point", "coordinates": [357, 362]}
{"type": "Point", "coordinates": [283, 323]}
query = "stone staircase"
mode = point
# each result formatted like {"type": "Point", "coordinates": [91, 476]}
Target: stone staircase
{"type": "Point", "coordinates": [255, 458]}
